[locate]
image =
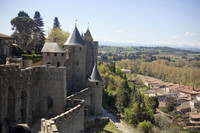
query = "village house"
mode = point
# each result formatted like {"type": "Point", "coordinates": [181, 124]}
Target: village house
{"type": "Point", "coordinates": [183, 108]}
{"type": "Point", "coordinates": [5, 47]}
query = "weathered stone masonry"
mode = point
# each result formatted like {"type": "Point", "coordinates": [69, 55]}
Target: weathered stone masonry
{"type": "Point", "coordinates": [63, 91]}
{"type": "Point", "coordinates": [25, 93]}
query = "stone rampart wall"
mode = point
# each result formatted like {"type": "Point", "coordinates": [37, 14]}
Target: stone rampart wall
{"type": "Point", "coordinates": [24, 93]}
{"type": "Point", "coordinates": [71, 121]}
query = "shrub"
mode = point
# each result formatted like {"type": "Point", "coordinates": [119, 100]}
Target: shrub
{"type": "Point", "coordinates": [145, 126]}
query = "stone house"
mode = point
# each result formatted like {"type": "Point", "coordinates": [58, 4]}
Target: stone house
{"type": "Point", "coordinates": [183, 108]}
{"type": "Point", "coordinates": [5, 47]}
{"type": "Point", "coordinates": [53, 55]}
{"type": "Point", "coordinates": [194, 118]}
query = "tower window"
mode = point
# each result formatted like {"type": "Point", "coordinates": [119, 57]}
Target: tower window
{"type": "Point", "coordinates": [58, 64]}
{"type": "Point", "coordinates": [55, 54]}
{"type": "Point", "coordinates": [80, 48]}
{"type": "Point", "coordinates": [62, 54]}
{"type": "Point", "coordinates": [97, 83]}
{"type": "Point", "coordinates": [49, 103]}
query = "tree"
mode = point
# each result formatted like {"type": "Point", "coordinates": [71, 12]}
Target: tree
{"type": "Point", "coordinates": [23, 26]}
{"type": "Point", "coordinates": [145, 126]}
{"type": "Point", "coordinates": [56, 23]}
{"type": "Point", "coordinates": [38, 36]}
{"type": "Point", "coordinates": [171, 105]}
{"type": "Point", "coordinates": [57, 35]}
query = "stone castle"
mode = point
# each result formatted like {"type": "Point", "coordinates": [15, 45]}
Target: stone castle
{"type": "Point", "coordinates": [60, 94]}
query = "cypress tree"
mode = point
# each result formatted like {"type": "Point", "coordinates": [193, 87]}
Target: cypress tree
{"type": "Point", "coordinates": [38, 37]}
{"type": "Point", "coordinates": [56, 23]}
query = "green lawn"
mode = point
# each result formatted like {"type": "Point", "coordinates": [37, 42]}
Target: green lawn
{"type": "Point", "coordinates": [104, 128]}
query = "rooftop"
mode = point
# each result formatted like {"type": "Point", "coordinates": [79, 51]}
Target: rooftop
{"type": "Point", "coordinates": [5, 36]}
{"type": "Point", "coordinates": [95, 76]}
{"type": "Point", "coordinates": [75, 38]}
{"type": "Point", "coordinates": [52, 48]}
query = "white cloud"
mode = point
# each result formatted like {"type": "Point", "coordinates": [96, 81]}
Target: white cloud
{"type": "Point", "coordinates": [176, 37]}
{"type": "Point", "coordinates": [190, 34]}
{"type": "Point", "coordinates": [119, 31]}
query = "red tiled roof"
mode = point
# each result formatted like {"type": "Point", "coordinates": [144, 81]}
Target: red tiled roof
{"type": "Point", "coordinates": [195, 115]}
{"type": "Point", "coordinates": [189, 91]}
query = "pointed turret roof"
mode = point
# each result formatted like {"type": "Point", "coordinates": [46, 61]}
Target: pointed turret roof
{"type": "Point", "coordinates": [88, 35]}
{"type": "Point", "coordinates": [75, 38]}
{"type": "Point", "coordinates": [95, 76]}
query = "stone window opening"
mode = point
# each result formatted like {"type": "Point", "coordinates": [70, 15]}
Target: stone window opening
{"type": "Point", "coordinates": [55, 54]}
{"type": "Point", "coordinates": [62, 54]}
{"type": "Point", "coordinates": [48, 54]}
{"type": "Point", "coordinates": [49, 103]}
{"type": "Point", "coordinates": [80, 48]}
{"type": "Point", "coordinates": [97, 83]}
{"type": "Point", "coordinates": [58, 64]}
{"type": "Point", "coordinates": [23, 106]}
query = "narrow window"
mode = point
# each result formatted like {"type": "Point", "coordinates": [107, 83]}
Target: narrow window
{"type": "Point", "coordinates": [77, 63]}
{"type": "Point", "coordinates": [58, 64]}
{"type": "Point", "coordinates": [55, 54]}
{"type": "Point", "coordinates": [80, 48]}
{"type": "Point", "coordinates": [96, 83]}
{"type": "Point", "coordinates": [49, 103]}
{"type": "Point", "coordinates": [62, 54]}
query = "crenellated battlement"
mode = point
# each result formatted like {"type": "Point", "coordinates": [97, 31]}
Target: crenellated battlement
{"type": "Point", "coordinates": [12, 69]}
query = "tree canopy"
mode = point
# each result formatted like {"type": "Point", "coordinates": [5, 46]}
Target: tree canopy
{"type": "Point", "coordinates": [38, 35]}
{"type": "Point", "coordinates": [56, 23]}
{"type": "Point", "coordinates": [23, 27]}
{"type": "Point", "coordinates": [57, 35]}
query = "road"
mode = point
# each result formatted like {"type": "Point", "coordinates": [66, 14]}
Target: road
{"type": "Point", "coordinates": [118, 123]}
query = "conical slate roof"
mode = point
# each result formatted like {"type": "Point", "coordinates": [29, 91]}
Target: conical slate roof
{"type": "Point", "coordinates": [75, 38]}
{"type": "Point", "coordinates": [95, 76]}
{"type": "Point", "coordinates": [88, 34]}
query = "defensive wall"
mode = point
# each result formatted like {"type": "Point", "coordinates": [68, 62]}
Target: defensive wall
{"type": "Point", "coordinates": [71, 121]}
{"type": "Point", "coordinates": [85, 94]}
{"type": "Point", "coordinates": [28, 94]}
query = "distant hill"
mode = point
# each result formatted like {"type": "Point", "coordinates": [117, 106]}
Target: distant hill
{"type": "Point", "coordinates": [129, 44]}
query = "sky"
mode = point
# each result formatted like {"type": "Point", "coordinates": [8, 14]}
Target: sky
{"type": "Point", "coordinates": [143, 22]}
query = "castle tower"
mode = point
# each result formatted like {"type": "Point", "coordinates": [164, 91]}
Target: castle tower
{"type": "Point", "coordinates": [75, 62]}
{"type": "Point", "coordinates": [96, 83]}
{"type": "Point", "coordinates": [90, 52]}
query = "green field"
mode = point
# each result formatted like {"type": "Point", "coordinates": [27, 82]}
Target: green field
{"type": "Point", "coordinates": [104, 128]}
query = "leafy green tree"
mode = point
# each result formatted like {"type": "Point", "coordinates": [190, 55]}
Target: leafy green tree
{"type": "Point", "coordinates": [23, 27]}
{"type": "Point", "coordinates": [38, 35]}
{"type": "Point", "coordinates": [56, 23]}
{"type": "Point", "coordinates": [171, 105]}
{"type": "Point", "coordinates": [118, 71]}
{"type": "Point", "coordinates": [121, 100]}
{"type": "Point", "coordinates": [57, 35]}
{"type": "Point", "coordinates": [145, 127]}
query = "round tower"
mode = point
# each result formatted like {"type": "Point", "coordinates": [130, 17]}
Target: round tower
{"type": "Point", "coordinates": [75, 62]}
{"type": "Point", "coordinates": [90, 52]}
{"type": "Point", "coordinates": [96, 84]}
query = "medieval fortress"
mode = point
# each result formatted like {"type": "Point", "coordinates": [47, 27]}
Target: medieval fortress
{"type": "Point", "coordinates": [61, 93]}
